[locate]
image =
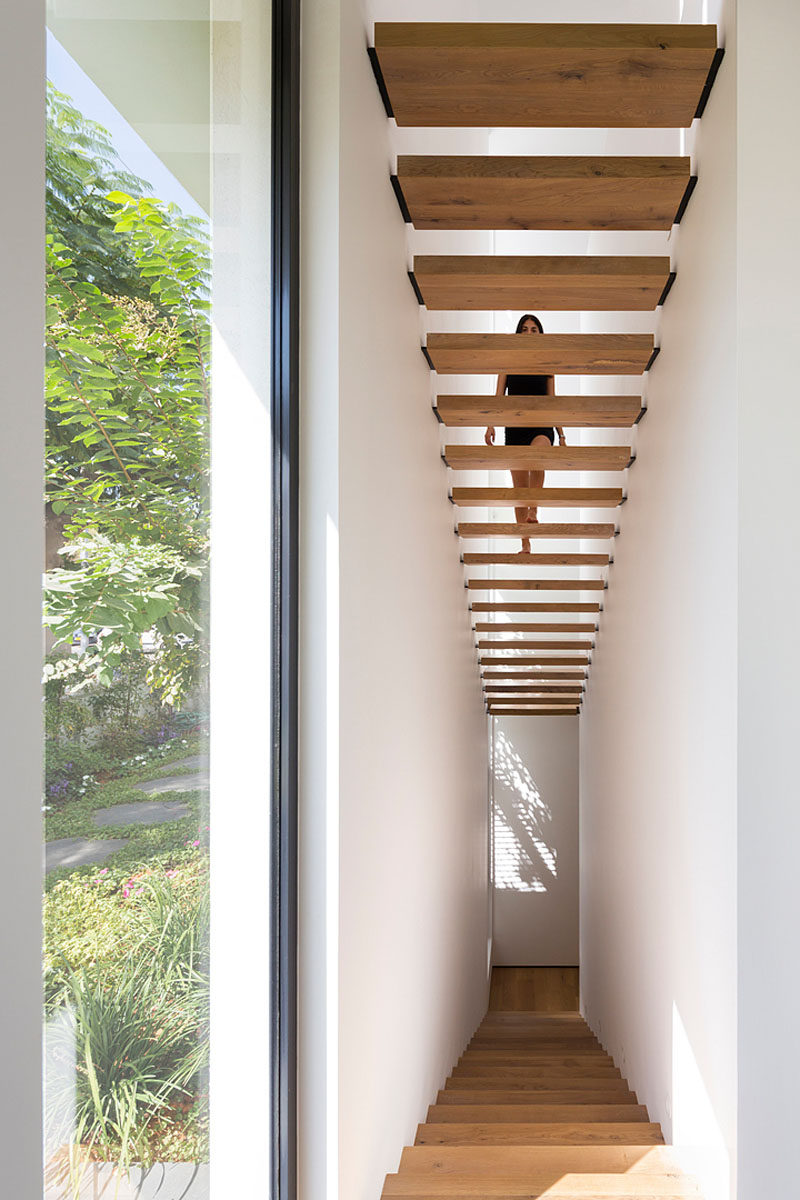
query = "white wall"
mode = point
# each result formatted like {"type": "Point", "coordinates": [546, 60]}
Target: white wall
{"type": "Point", "coordinates": [769, 581]}
{"type": "Point", "coordinates": [21, 553]}
{"type": "Point", "coordinates": [658, 735]}
{"type": "Point", "coordinates": [394, 837]}
{"type": "Point", "coordinates": [535, 841]}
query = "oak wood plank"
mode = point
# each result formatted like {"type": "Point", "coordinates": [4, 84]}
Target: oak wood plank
{"type": "Point", "coordinates": [561, 283]}
{"type": "Point", "coordinates": [543, 585]}
{"type": "Point", "coordinates": [614, 412]}
{"type": "Point", "coordinates": [541, 529]}
{"type": "Point", "coordinates": [457, 1097]}
{"type": "Point", "coordinates": [555, 192]}
{"type": "Point", "coordinates": [566, 559]}
{"type": "Point", "coordinates": [530, 644]}
{"type": "Point", "coordinates": [531, 1114]}
{"type": "Point", "coordinates": [534, 627]}
{"type": "Point", "coordinates": [544, 354]}
{"type": "Point", "coordinates": [541, 661]}
{"type": "Point", "coordinates": [489, 497]}
{"type": "Point", "coordinates": [482, 606]}
{"type": "Point", "coordinates": [515, 74]}
{"type": "Point", "coordinates": [518, 1133]}
{"type": "Point", "coordinates": [537, 458]}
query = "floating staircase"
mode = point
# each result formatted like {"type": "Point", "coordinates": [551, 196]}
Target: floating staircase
{"type": "Point", "coordinates": [535, 1107]}
{"type": "Point", "coordinates": [548, 76]}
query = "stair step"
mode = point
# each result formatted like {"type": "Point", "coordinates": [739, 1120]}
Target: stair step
{"type": "Point", "coordinates": [531, 627]}
{"type": "Point", "coordinates": [543, 585]}
{"type": "Point", "coordinates": [544, 354]}
{"type": "Point", "coordinates": [611, 1084]}
{"type": "Point", "coordinates": [515, 74]}
{"type": "Point", "coordinates": [554, 1095]}
{"type": "Point", "coordinates": [633, 1171]}
{"type": "Point", "coordinates": [479, 282]}
{"type": "Point", "coordinates": [549, 529]}
{"type": "Point", "coordinates": [613, 412]}
{"type": "Point", "coordinates": [538, 558]}
{"type": "Point", "coordinates": [523, 676]}
{"type": "Point", "coordinates": [530, 1114]}
{"type": "Point", "coordinates": [536, 497]}
{"type": "Point", "coordinates": [501, 1056]}
{"type": "Point", "coordinates": [532, 712]}
{"type": "Point", "coordinates": [512, 644]}
{"type": "Point", "coordinates": [517, 1133]}
{"type": "Point", "coordinates": [537, 458]}
{"type": "Point", "coordinates": [556, 192]}
{"type": "Point", "coordinates": [549, 1070]}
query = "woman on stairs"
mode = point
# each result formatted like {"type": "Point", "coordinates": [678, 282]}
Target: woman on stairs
{"type": "Point", "coordinates": [527, 385]}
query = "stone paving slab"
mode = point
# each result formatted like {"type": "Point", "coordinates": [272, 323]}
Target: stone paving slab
{"type": "Point", "coordinates": [195, 762]}
{"type": "Point", "coordinates": [142, 812]}
{"type": "Point", "coordinates": [78, 852]}
{"type": "Point", "coordinates": [175, 783]}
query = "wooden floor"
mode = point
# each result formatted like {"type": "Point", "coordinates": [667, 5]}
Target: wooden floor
{"type": "Point", "coordinates": [534, 989]}
{"type": "Point", "coordinates": [535, 1107]}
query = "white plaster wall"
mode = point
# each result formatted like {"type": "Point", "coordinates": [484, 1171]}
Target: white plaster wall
{"type": "Point", "coordinates": [535, 841]}
{"type": "Point", "coordinates": [394, 762]}
{"type": "Point", "coordinates": [658, 734]}
{"type": "Point", "coordinates": [769, 579]}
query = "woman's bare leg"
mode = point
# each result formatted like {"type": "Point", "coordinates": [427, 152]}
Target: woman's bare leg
{"type": "Point", "coordinates": [536, 478]}
{"type": "Point", "coordinates": [521, 479]}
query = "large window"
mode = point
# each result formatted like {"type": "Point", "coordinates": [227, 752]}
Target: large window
{"type": "Point", "coordinates": [156, 600]}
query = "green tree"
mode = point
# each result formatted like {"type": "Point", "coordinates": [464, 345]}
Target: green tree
{"type": "Point", "coordinates": [127, 395]}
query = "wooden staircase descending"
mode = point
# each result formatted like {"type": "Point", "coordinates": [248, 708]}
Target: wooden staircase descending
{"type": "Point", "coordinates": [533, 1108]}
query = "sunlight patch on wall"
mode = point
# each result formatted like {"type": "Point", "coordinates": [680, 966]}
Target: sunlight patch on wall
{"type": "Point", "coordinates": [523, 859]}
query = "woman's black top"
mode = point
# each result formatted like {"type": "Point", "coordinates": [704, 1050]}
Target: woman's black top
{"type": "Point", "coordinates": [527, 385]}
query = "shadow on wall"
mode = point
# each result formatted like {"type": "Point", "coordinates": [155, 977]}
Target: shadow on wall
{"type": "Point", "coordinates": [524, 860]}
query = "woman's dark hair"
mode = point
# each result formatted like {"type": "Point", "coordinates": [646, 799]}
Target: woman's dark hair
{"type": "Point", "coordinates": [529, 317]}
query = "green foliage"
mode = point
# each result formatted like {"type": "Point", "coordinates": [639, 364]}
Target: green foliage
{"type": "Point", "coordinates": [138, 1024]}
{"type": "Point", "coordinates": [127, 393]}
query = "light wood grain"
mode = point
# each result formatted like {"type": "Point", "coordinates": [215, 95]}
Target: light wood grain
{"type": "Point", "coordinates": [614, 412]}
{"type": "Point", "coordinates": [478, 74]}
{"type": "Point", "coordinates": [542, 529]}
{"type": "Point", "coordinates": [537, 606]}
{"type": "Point", "coordinates": [478, 282]}
{"type": "Point", "coordinates": [506, 644]}
{"type": "Point", "coordinates": [534, 627]}
{"type": "Point", "coordinates": [537, 458]}
{"type": "Point", "coordinates": [542, 585]}
{"type": "Point", "coordinates": [543, 560]}
{"type": "Point", "coordinates": [534, 689]}
{"type": "Point", "coordinates": [556, 192]}
{"type": "Point", "coordinates": [531, 676]}
{"type": "Point", "coordinates": [536, 497]}
{"type": "Point", "coordinates": [537, 661]}
{"type": "Point", "coordinates": [517, 1133]}
{"type": "Point", "coordinates": [544, 354]}
{"type": "Point", "coordinates": [530, 1114]}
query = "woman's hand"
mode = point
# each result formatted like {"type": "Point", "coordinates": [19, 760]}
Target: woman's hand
{"type": "Point", "coordinates": [489, 436]}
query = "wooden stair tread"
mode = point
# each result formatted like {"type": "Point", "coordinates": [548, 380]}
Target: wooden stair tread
{"type": "Point", "coordinates": [600, 1068]}
{"type": "Point", "coordinates": [612, 1085]}
{"type": "Point", "coordinates": [537, 661]}
{"type": "Point", "coordinates": [553, 192]}
{"type": "Point", "coordinates": [546, 1096]}
{"type": "Point", "coordinates": [615, 412]}
{"type": "Point", "coordinates": [534, 627]}
{"type": "Point", "coordinates": [530, 644]}
{"type": "Point", "coordinates": [489, 497]}
{"type": "Point", "coordinates": [534, 676]}
{"type": "Point", "coordinates": [598, 531]}
{"type": "Point", "coordinates": [537, 458]}
{"type": "Point", "coordinates": [534, 606]}
{"type": "Point", "coordinates": [518, 1133]}
{"type": "Point", "coordinates": [543, 585]}
{"type": "Point", "coordinates": [491, 282]}
{"type": "Point", "coordinates": [531, 1114]}
{"type": "Point", "coordinates": [509, 693]}
{"type": "Point", "coordinates": [515, 74]}
{"type": "Point", "coordinates": [544, 354]}
{"type": "Point", "coordinates": [533, 712]}
{"type": "Point", "coordinates": [565, 559]}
